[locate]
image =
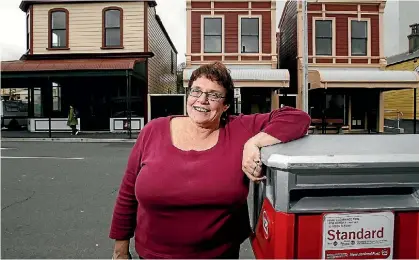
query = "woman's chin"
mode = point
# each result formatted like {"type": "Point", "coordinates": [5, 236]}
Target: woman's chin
{"type": "Point", "coordinates": [201, 118]}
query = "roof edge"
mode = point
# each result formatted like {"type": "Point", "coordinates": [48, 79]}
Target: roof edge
{"type": "Point", "coordinates": [87, 56]}
{"type": "Point", "coordinates": [165, 32]}
{"type": "Point", "coordinates": [25, 4]}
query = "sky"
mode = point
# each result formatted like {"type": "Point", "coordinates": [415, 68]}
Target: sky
{"type": "Point", "coordinates": [13, 29]}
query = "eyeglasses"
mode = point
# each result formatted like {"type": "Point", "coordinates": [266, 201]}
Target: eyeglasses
{"type": "Point", "coordinates": [213, 96]}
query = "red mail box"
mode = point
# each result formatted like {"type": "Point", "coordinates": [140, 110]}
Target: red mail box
{"type": "Point", "coordinates": [339, 197]}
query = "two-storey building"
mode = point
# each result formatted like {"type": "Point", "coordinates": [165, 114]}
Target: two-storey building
{"type": "Point", "coordinates": [241, 34]}
{"type": "Point", "coordinates": [104, 57]}
{"type": "Point", "coordinates": [347, 76]}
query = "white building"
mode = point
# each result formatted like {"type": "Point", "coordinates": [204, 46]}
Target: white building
{"type": "Point", "coordinates": [398, 15]}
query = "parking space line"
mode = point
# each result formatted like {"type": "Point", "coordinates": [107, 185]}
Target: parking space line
{"type": "Point", "coordinates": [42, 157]}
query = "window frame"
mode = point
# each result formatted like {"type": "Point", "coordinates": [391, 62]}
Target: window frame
{"type": "Point", "coordinates": [314, 38]}
{"type": "Point", "coordinates": [203, 17]}
{"type": "Point", "coordinates": [67, 29]}
{"type": "Point", "coordinates": [121, 27]}
{"type": "Point", "coordinates": [28, 30]}
{"type": "Point", "coordinates": [368, 24]}
{"type": "Point", "coordinates": [260, 36]}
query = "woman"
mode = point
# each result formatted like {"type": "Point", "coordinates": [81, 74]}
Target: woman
{"type": "Point", "coordinates": [184, 194]}
{"type": "Point", "coordinates": [72, 121]}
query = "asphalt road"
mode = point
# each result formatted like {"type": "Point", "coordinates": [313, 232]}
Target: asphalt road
{"type": "Point", "coordinates": [57, 199]}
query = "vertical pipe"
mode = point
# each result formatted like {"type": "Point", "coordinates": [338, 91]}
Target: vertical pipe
{"type": "Point", "coordinates": [305, 58]}
{"type": "Point", "coordinates": [415, 103]}
{"type": "Point", "coordinates": [50, 104]}
{"type": "Point", "coordinates": [129, 106]}
{"type": "Point", "coordinates": [324, 112]}
{"type": "Point", "coordinates": [126, 97]}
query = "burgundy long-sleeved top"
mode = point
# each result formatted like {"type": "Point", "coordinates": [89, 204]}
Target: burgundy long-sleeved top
{"type": "Point", "coordinates": [193, 204]}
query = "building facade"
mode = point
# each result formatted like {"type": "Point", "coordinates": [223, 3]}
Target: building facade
{"type": "Point", "coordinates": [346, 59]}
{"type": "Point", "coordinates": [398, 15]}
{"type": "Point", "coordinates": [104, 57]}
{"type": "Point", "coordinates": [242, 35]}
{"type": "Point", "coordinates": [399, 105]}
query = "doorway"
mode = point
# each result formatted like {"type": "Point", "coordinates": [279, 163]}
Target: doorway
{"type": "Point", "coordinates": [364, 111]}
{"type": "Point", "coordinates": [255, 100]}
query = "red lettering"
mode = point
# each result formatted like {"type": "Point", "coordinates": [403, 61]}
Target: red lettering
{"type": "Point", "coordinates": [331, 234]}
{"type": "Point", "coordinates": [361, 234]}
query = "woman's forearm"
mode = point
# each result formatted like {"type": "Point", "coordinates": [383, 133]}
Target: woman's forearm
{"type": "Point", "coordinates": [263, 139]}
{"type": "Point", "coordinates": [121, 249]}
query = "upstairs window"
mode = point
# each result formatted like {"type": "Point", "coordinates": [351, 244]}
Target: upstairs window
{"type": "Point", "coordinates": [324, 37]}
{"type": "Point", "coordinates": [249, 35]}
{"type": "Point", "coordinates": [213, 35]}
{"type": "Point", "coordinates": [28, 31]}
{"type": "Point", "coordinates": [112, 27]}
{"type": "Point", "coordinates": [58, 27]}
{"type": "Point", "coordinates": [359, 38]}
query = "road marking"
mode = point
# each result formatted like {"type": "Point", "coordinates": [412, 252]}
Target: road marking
{"type": "Point", "coordinates": [6, 148]}
{"type": "Point", "coordinates": [41, 157]}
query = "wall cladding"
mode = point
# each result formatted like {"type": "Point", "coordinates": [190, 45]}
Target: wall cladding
{"type": "Point", "coordinates": [85, 27]}
{"type": "Point", "coordinates": [342, 37]}
{"type": "Point", "coordinates": [231, 23]}
{"type": "Point", "coordinates": [162, 67]}
{"type": "Point", "coordinates": [401, 100]}
{"type": "Point", "coordinates": [288, 44]}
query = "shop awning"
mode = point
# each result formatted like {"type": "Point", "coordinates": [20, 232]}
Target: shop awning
{"type": "Point", "coordinates": [358, 78]}
{"type": "Point", "coordinates": [73, 68]}
{"type": "Point", "coordinates": [251, 77]}
{"type": "Point", "coordinates": [69, 64]}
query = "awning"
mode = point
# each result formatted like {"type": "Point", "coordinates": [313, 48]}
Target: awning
{"type": "Point", "coordinates": [358, 78]}
{"type": "Point", "coordinates": [69, 65]}
{"type": "Point", "coordinates": [250, 77]}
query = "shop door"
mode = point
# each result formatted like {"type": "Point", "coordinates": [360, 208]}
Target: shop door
{"type": "Point", "coordinates": [255, 100]}
{"type": "Point", "coordinates": [358, 111]}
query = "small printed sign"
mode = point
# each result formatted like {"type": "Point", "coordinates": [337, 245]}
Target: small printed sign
{"type": "Point", "coordinates": [358, 236]}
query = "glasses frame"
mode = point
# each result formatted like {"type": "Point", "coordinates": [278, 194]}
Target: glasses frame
{"type": "Point", "coordinates": [207, 95]}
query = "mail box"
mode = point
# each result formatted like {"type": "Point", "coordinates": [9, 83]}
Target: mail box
{"type": "Point", "coordinates": [338, 197]}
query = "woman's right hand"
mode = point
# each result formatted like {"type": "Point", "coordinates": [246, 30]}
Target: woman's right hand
{"type": "Point", "coordinates": [121, 250]}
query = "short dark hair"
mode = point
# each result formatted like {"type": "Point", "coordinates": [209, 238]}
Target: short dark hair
{"type": "Point", "coordinates": [216, 72]}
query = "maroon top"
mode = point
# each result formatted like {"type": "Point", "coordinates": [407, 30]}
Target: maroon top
{"type": "Point", "coordinates": [193, 204]}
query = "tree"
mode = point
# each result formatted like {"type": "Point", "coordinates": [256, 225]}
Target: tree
{"type": "Point", "coordinates": [179, 79]}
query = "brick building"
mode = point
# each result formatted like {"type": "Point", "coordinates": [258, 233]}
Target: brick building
{"type": "Point", "coordinates": [104, 57]}
{"type": "Point", "coordinates": [241, 34]}
{"type": "Point", "coordinates": [347, 77]}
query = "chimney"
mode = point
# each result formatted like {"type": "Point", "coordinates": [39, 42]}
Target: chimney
{"type": "Point", "coordinates": [414, 38]}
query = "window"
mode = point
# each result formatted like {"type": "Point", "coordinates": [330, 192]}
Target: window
{"type": "Point", "coordinates": [58, 22]}
{"type": "Point", "coordinates": [213, 35]}
{"type": "Point", "coordinates": [324, 40]}
{"type": "Point", "coordinates": [359, 38]}
{"type": "Point", "coordinates": [28, 30]}
{"type": "Point", "coordinates": [56, 97]}
{"type": "Point", "coordinates": [112, 27]}
{"type": "Point", "coordinates": [249, 35]}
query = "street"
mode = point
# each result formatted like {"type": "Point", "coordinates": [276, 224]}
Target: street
{"type": "Point", "coordinates": [57, 199]}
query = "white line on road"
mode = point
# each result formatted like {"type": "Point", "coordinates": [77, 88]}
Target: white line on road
{"type": "Point", "coordinates": [41, 157]}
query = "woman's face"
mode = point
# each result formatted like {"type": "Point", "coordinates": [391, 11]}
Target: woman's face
{"type": "Point", "coordinates": [205, 103]}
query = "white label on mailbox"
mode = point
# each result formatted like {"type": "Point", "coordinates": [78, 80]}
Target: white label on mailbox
{"type": "Point", "coordinates": [358, 236]}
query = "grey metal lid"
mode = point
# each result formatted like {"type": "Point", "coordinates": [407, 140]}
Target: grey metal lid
{"type": "Point", "coordinates": [344, 151]}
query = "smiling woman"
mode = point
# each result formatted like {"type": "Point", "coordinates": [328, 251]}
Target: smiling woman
{"type": "Point", "coordinates": [184, 192]}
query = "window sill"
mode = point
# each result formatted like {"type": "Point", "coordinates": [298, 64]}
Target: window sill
{"type": "Point", "coordinates": [58, 49]}
{"type": "Point", "coordinates": [113, 47]}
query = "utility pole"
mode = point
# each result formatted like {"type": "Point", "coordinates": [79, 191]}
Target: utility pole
{"type": "Point", "coordinates": [305, 58]}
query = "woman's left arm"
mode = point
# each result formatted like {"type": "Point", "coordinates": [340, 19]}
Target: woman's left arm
{"type": "Point", "coordinates": [280, 126]}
